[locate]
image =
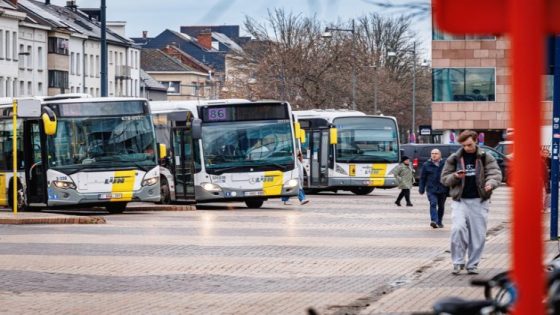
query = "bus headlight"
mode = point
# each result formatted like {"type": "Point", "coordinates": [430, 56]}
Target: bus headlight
{"type": "Point", "coordinates": [291, 183]}
{"type": "Point", "coordinates": [63, 184]}
{"type": "Point", "coordinates": [150, 181]}
{"type": "Point", "coordinates": [211, 187]}
{"type": "Point", "coordinates": [340, 170]}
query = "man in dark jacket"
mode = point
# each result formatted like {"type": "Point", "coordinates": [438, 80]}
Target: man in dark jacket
{"type": "Point", "coordinates": [471, 175]}
{"type": "Point", "coordinates": [430, 182]}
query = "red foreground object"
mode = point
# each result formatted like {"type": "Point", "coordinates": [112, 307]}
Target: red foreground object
{"type": "Point", "coordinates": [527, 22]}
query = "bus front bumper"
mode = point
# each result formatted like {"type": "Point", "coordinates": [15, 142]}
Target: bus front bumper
{"type": "Point", "coordinates": [230, 194]}
{"type": "Point", "coordinates": [380, 182]}
{"type": "Point", "coordinates": [68, 197]}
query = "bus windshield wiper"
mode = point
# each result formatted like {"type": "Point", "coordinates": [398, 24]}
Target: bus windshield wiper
{"type": "Point", "coordinates": [222, 170]}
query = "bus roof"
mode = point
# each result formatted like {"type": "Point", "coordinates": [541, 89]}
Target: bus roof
{"type": "Point", "coordinates": [331, 114]}
{"type": "Point", "coordinates": [165, 107]}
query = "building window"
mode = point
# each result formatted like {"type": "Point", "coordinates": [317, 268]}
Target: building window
{"type": "Point", "coordinates": [173, 87]}
{"type": "Point", "coordinates": [2, 51]}
{"type": "Point", "coordinates": [40, 58]}
{"type": "Point", "coordinates": [437, 34]}
{"type": "Point", "coordinates": [29, 57]}
{"type": "Point", "coordinates": [97, 70]}
{"type": "Point", "coordinates": [8, 48]}
{"type": "Point", "coordinates": [463, 84]}
{"type": "Point", "coordinates": [72, 63]}
{"type": "Point", "coordinates": [58, 45]}
{"type": "Point", "coordinates": [78, 64]}
{"type": "Point", "coordinates": [30, 88]}
{"type": "Point", "coordinates": [86, 70]}
{"type": "Point", "coordinates": [39, 88]}
{"type": "Point", "coordinates": [58, 79]}
{"type": "Point", "coordinates": [110, 57]}
{"type": "Point", "coordinates": [14, 45]}
{"type": "Point", "coordinates": [21, 60]}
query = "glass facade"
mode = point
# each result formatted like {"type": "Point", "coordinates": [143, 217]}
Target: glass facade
{"type": "Point", "coordinates": [463, 84]}
{"type": "Point", "coordinates": [440, 35]}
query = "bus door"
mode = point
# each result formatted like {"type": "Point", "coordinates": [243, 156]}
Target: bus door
{"type": "Point", "coordinates": [35, 172]}
{"type": "Point", "coordinates": [319, 154]}
{"type": "Point", "coordinates": [183, 163]}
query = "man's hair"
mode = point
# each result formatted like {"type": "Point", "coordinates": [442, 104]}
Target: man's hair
{"type": "Point", "coordinates": [463, 136]}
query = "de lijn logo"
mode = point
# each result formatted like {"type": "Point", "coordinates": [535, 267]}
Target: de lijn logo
{"type": "Point", "coordinates": [261, 179]}
{"type": "Point", "coordinates": [115, 180]}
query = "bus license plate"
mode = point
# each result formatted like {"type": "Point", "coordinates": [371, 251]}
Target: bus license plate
{"type": "Point", "coordinates": [110, 196]}
{"type": "Point", "coordinates": [253, 193]}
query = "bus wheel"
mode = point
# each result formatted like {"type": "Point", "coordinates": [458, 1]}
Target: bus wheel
{"type": "Point", "coordinates": [254, 203]}
{"type": "Point", "coordinates": [165, 192]}
{"type": "Point", "coordinates": [20, 198]}
{"type": "Point", "coordinates": [362, 190]}
{"type": "Point", "coordinates": [117, 207]}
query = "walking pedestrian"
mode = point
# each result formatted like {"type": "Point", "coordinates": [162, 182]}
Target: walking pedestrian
{"type": "Point", "coordinates": [430, 183]}
{"type": "Point", "coordinates": [405, 178]}
{"type": "Point", "coordinates": [301, 194]}
{"type": "Point", "coordinates": [471, 176]}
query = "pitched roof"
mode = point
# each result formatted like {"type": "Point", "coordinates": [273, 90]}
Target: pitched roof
{"type": "Point", "coordinates": [156, 60]}
{"type": "Point", "coordinates": [150, 82]}
{"type": "Point", "coordinates": [66, 18]}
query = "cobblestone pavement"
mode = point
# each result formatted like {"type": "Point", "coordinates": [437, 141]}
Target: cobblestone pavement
{"type": "Point", "coordinates": [338, 254]}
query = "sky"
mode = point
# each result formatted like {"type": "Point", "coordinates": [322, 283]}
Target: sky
{"type": "Point", "coordinates": [156, 16]}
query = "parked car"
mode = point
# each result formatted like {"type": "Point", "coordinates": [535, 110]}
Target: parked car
{"type": "Point", "coordinates": [505, 148]}
{"type": "Point", "coordinates": [420, 153]}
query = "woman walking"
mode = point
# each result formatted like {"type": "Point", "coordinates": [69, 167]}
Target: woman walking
{"type": "Point", "coordinates": [405, 178]}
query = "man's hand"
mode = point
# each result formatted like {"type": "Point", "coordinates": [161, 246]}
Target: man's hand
{"type": "Point", "coordinates": [488, 187]}
{"type": "Point", "coordinates": [459, 174]}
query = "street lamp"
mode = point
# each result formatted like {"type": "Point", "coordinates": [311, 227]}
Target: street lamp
{"type": "Point", "coordinates": [328, 34]}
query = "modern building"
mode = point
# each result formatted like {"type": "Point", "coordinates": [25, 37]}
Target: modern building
{"type": "Point", "coordinates": [470, 85]}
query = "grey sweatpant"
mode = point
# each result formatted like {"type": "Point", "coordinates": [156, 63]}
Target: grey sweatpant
{"type": "Point", "coordinates": [468, 233]}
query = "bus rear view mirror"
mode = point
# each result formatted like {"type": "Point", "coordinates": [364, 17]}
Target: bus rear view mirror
{"type": "Point", "coordinates": [29, 108]}
{"type": "Point", "coordinates": [196, 129]}
{"type": "Point", "coordinates": [162, 153]}
{"type": "Point", "coordinates": [49, 121]}
{"type": "Point", "coordinates": [333, 136]}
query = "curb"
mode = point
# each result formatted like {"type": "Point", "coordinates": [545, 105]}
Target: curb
{"type": "Point", "coordinates": [55, 220]}
{"type": "Point", "coordinates": [162, 208]}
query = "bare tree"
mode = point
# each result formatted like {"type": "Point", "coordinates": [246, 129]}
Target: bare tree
{"type": "Point", "coordinates": [289, 60]}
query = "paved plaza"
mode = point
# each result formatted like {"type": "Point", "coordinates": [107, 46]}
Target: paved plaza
{"type": "Point", "coordinates": [340, 254]}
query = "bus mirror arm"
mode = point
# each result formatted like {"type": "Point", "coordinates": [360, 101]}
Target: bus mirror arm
{"type": "Point", "coordinates": [196, 129]}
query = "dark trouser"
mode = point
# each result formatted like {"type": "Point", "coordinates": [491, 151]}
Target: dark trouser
{"type": "Point", "coordinates": [406, 194]}
{"type": "Point", "coordinates": [437, 206]}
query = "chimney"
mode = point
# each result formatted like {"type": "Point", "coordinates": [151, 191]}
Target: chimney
{"type": "Point", "coordinates": [204, 39]}
{"type": "Point", "coordinates": [144, 34]}
{"type": "Point", "coordinates": [71, 4]}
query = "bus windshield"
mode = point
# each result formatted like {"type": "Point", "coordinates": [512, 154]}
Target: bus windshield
{"type": "Point", "coordinates": [242, 146]}
{"type": "Point", "coordinates": [102, 142]}
{"type": "Point", "coordinates": [366, 140]}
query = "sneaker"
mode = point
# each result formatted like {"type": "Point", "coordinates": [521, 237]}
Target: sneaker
{"type": "Point", "coordinates": [440, 225]}
{"type": "Point", "coordinates": [304, 201]}
{"type": "Point", "coordinates": [472, 271]}
{"type": "Point", "coordinates": [398, 203]}
{"type": "Point", "coordinates": [457, 269]}
{"type": "Point", "coordinates": [409, 205]}
{"type": "Point", "coordinates": [286, 203]}
{"type": "Point", "coordinates": [433, 224]}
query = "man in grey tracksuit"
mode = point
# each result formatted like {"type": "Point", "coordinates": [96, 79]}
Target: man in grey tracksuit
{"type": "Point", "coordinates": [471, 176]}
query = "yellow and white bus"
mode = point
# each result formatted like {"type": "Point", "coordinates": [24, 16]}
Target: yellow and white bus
{"type": "Point", "coordinates": [102, 152]}
{"type": "Point", "coordinates": [349, 150]}
{"type": "Point", "coordinates": [226, 150]}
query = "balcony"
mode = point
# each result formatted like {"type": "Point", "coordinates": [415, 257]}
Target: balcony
{"type": "Point", "coordinates": [122, 72]}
